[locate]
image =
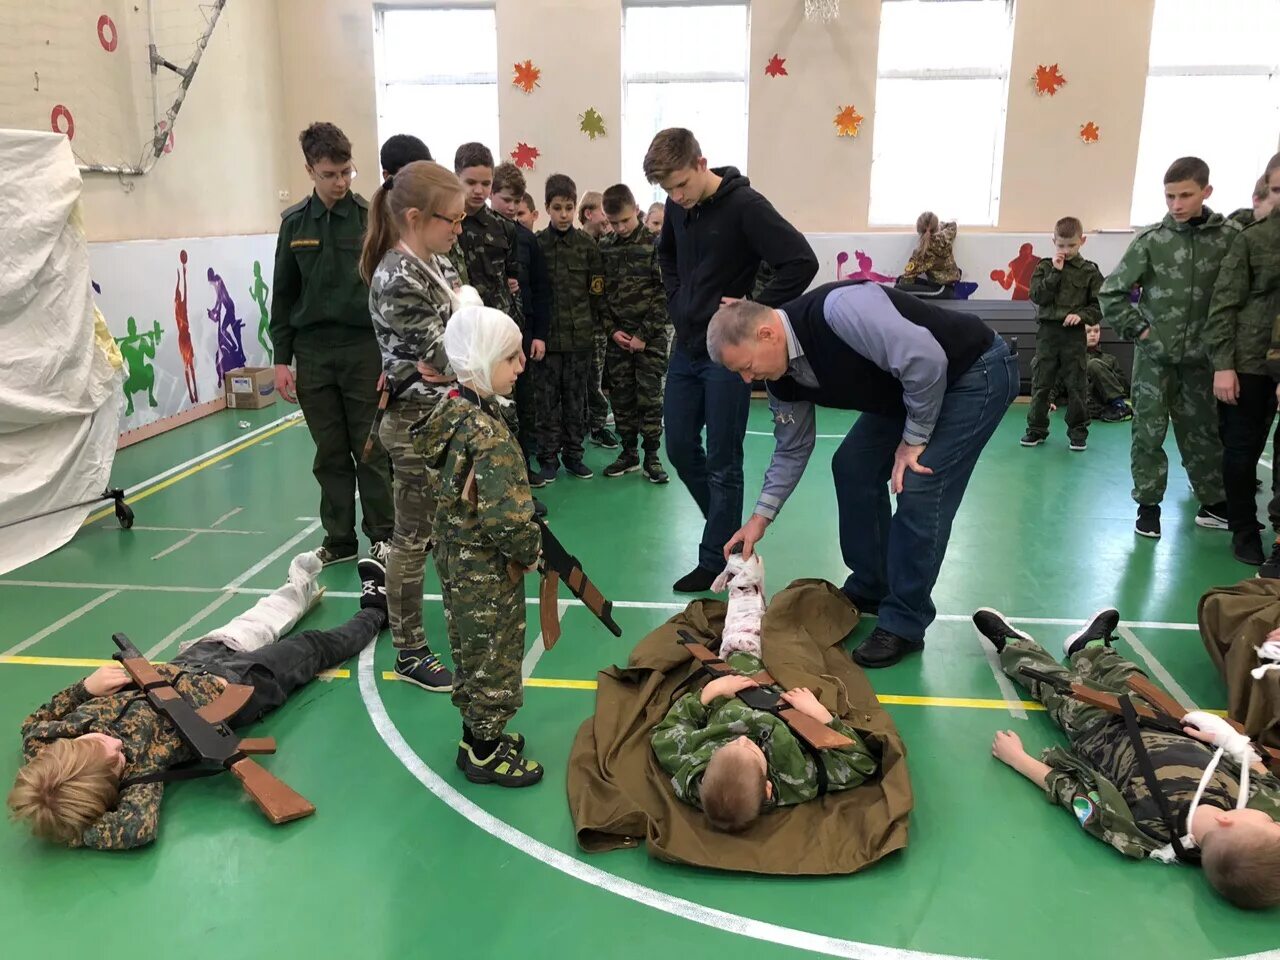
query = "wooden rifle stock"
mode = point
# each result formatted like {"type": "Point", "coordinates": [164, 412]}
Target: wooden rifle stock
{"type": "Point", "coordinates": [371, 440]}
{"type": "Point", "coordinates": [275, 798]}
{"type": "Point", "coordinates": [232, 699]}
{"type": "Point", "coordinates": [549, 608]}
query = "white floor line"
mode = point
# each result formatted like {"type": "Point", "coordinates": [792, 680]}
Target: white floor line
{"type": "Point", "coordinates": [226, 516]}
{"type": "Point", "coordinates": [181, 631]}
{"type": "Point", "coordinates": [177, 546]}
{"type": "Point", "coordinates": [1157, 668]}
{"type": "Point", "coordinates": [240, 533]}
{"type": "Point", "coordinates": [819, 436]}
{"type": "Point", "coordinates": [1007, 690]}
{"type": "Point", "coordinates": [58, 625]}
{"type": "Point", "coordinates": [530, 662]}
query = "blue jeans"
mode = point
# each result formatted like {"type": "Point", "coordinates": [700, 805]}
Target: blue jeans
{"type": "Point", "coordinates": [701, 393]}
{"type": "Point", "coordinates": [895, 559]}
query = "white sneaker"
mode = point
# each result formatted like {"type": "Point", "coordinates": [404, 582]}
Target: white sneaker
{"type": "Point", "coordinates": [380, 550]}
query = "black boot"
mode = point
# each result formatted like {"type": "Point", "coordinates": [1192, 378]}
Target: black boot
{"type": "Point", "coordinates": [1246, 546]}
{"type": "Point", "coordinates": [884, 649]}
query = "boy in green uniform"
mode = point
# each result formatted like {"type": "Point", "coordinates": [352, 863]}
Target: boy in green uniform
{"type": "Point", "coordinates": [320, 324]}
{"type": "Point", "coordinates": [1107, 385]}
{"type": "Point", "coordinates": [595, 224]}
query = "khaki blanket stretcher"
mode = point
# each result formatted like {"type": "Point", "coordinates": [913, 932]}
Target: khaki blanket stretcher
{"type": "Point", "coordinates": [1233, 623]}
{"type": "Point", "coordinates": [618, 794]}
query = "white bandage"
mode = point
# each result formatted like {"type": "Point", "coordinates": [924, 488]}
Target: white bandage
{"type": "Point", "coordinates": [1269, 651]}
{"type": "Point", "coordinates": [476, 338]}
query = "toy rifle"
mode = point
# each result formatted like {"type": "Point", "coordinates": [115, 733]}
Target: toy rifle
{"type": "Point", "coordinates": [816, 734]}
{"type": "Point", "coordinates": [391, 390]}
{"type": "Point", "coordinates": [206, 732]}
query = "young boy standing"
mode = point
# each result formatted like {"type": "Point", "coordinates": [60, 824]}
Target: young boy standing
{"type": "Point", "coordinates": [1107, 385]}
{"type": "Point", "coordinates": [1175, 264]}
{"type": "Point", "coordinates": [485, 254]}
{"type": "Point", "coordinates": [595, 225]}
{"type": "Point", "coordinates": [527, 212]}
{"type": "Point", "coordinates": [653, 219]}
{"type": "Point", "coordinates": [635, 312]}
{"type": "Point", "coordinates": [1064, 289]}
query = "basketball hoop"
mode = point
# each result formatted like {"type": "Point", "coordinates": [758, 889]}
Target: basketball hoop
{"type": "Point", "coordinates": [821, 11]}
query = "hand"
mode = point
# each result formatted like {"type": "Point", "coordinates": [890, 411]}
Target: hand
{"type": "Point", "coordinates": [537, 349]}
{"type": "Point", "coordinates": [1197, 734]}
{"type": "Point", "coordinates": [726, 687]}
{"type": "Point", "coordinates": [622, 339]}
{"type": "Point", "coordinates": [432, 375]}
{"type": "Point", "coordinates": [637, 345]}
{"type": "Point", "coordinates": [1071, 320]}
{"type": "Point", "coordinates": [1144, 334]}
{"type": "Point", "coordinates": [802, 699]}
{"type": "Point", "coordinates": [107, 680]}
{"type": "Point", "coordinates": [513, 284]}
{"type": "Point", "coordinates": [751, 533]}
{"type": "Point", "coordinates": [727, 300]}
{"type": "Point", "coordinates": [1059, 260]}
{"type": "Point", "coordinates": [1226, 386]}
{"type": "Point", "coordinates": [382, 382]}
{"type": "Point", "coordinates": [1274, 634]}
{"type": "Point", "coordinates": [1053, 407]}
{"type": "Point", "coordinates": [1007, 747]}
{"type": "Point", "coordinates": [906, 457]}
{"type": "Point", "coordinates": [285, 385]}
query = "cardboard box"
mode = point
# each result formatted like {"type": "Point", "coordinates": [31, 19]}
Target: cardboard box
{"type": "Point", "coordinates": [250, 388]}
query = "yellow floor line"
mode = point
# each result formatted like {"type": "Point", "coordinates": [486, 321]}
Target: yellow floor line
{"type": "Point", "coordinates": [202, 465]}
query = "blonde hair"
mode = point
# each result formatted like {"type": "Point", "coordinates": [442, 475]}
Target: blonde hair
{"type": "Point", "coordinates": [421, 185]}
{"type": "Point", "coordinates": [1246, 872]}
{"type": "Point", "coordinates": [732, 791]}
{"type": "Point", "coordinates": [926, 225]}
{"type": "Point", "coordinates": [591, 200]}
{"type": "Point", "coordinates": [68, 786]}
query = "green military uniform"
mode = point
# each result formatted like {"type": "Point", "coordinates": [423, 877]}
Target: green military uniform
{"type": "Point", "coordinates": [575, 271]}
{"type": "Point", "coordinates": [484, 607]}
{"type": "Point", "coordinates": [410, 306]}
{"type": "Point", "coordinates": [1098, 779]}
{"type": "Point", "coordinates": [1060, 350]}
{"type": "Point", "coordinates": [1106, 383]}
{"type": "Point", "coordinates": [597, 404]}
{"type": "Point", "coordinates": [635, 303]}
{"type": "Point", "coordinates": [320, 323]}
{"type": "Point", "coordinates": [1175, 265]}
{"type": "Point", "coordinates": [691, 732]}
{"type": "Point", "coordinates": [1244, 216]}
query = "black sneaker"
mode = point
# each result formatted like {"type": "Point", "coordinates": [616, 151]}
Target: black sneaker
{"type": "Point", "coordinates": [995, 626]}
{"type": "Point", "coordinates": [628, 462]}
{"type": "Point", "coordinates": [884, 649]}
{"type": "Point", "coordinates": [699, 580]}
{"type": "Point", "coordinates": [1078, 446]}
{"type": "Point", "coordinates": [1213, 516]}
{"type": "Point", "coordinates": [546, 475]}
{"type": "Point", "coordinates": [1270, 568]}
{"type": "Point", "coordinates": [423, 668]}
{"type": "Point", "coordinates": [516, 740]}
{"type": "Point", "coordinates": [539, 508]}
{"type": "Point", "coordinates": [576, 468]}
{"type": "Point", "coordinates": [1117, 412]}
{"type": "Point", "coordinates": [1148, 523]}
{"type": "Point", "coordinates": [373, 585]}
{"type": "Point", "coordinates": [1100, 629]}
{"type": "Point", "coordinates": [1030, 439]}
{"type": "Point", "coordinates": [536, 479]}
{"type": "Point", "coordinates": [604, 438]}
{"type": "Point", "coordinates": [1246, 546]}
{"type": "Point", "coordinates": [328, 556]}
{"type": "Point", "coordinates": [653, 471]}
{"type": "Point", "coordinates": [505, 767]}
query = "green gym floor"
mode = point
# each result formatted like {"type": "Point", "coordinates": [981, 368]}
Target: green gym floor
{"type": "Point", "coordinates": [406, 859]}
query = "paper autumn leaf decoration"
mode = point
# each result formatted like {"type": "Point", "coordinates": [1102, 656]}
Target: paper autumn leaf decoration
{"type": "Point", "coordinates": [526, 77]}
{"type": "Point", "coordinates": [524, 155]}
{"type": "Point", "coordinates": [1048, 79]}
{"type": "Point", "coordinates": [1089, 132]}
{"type": "Point", "coordinates": [847, 122]}
{"type": "Point", "coordinates": [591, 123]}
{"type": "Point", "coordinates": [775, 68]}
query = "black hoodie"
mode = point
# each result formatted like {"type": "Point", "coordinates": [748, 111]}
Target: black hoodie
{"type": "Point", "coordinates": [715, 249]}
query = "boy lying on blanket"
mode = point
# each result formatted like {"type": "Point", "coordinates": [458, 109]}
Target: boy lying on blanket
{"type": "Point", "coordinates": [1099, 777]}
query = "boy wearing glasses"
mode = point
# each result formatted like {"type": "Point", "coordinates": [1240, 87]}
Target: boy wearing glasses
{"type": "Point", "coordinates": [327, 358]}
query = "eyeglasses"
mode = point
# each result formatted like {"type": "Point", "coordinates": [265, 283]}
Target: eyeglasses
{"type": "Point", "coordinates": [452, 221]}
{"type": "Point", "coordinates": [332, 176]}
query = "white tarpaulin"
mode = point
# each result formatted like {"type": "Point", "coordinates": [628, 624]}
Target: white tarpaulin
{"type": "Point", "coordinates": [59, 368]}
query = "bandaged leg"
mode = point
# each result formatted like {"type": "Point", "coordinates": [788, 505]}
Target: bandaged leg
{"type": "Point", "coordinates": [274, 615]}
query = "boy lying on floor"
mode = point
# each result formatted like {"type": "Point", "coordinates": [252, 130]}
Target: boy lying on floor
{"type": "Point", "coordinates": [1099, 777]}
{"type": "Point", "coordinates": [90, 740]}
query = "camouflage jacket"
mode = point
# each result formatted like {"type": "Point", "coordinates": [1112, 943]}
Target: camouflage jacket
{"type": "Point", "coordinates": [691, 732]}
{"type": "Point", "coordinates": [937, 263]}
{"type": "Point", "coordinates": [409, 310]}
{"type": "Point", "coordinates": [151, 745]}
{"type": "Point", "coordinates": [577, 284]}
{"type": "Point", "coordinates": [634, 299]}
{"type": "Point", "coordinates": [1243, 216]}
{"type": "Point", "coordinates": [1073, 289]}
{"type": "Point", "coordinates": [1242, 313]}
{"type": "Point", "coordinates": [1175, 265]}
{"type": "Point", "coordinates": [460, 437]}
{"type": "Point", "coordinates": [1097, 355]}
{"type": "Point", "coordinates": [485, 256]}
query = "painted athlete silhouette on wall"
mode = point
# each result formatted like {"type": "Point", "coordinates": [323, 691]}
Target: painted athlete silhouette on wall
{"type": "Point", "coordinates": [865, 269]}
{"type": "Point", "coordinates": [258, 292]}
{"type": "Point", "coordinates": [137, 349]}
{"type": "Point", "coordinates": [1018, 276]}
{"type": "Point", "coordinates": [223, 313]}
{"type": "Point", "coordinates": [184, 329]}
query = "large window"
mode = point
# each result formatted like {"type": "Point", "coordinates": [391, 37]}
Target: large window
{"type": "Point", "coordinates": [1212, 92]}
{"type": "Point", "coordinates": [683, 65]}
{"type": "Point", "coordinates": [437, 76]}
{"type": "Point", "coordinates": [940, 109]}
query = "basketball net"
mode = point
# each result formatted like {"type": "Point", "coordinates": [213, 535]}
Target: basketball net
{"type": "Point", "coordinates": [821, 11]}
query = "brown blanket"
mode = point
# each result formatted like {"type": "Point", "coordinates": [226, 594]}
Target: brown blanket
{"type": "Point", "coordinates": [618, 794]}
{"type": "Point", "coordinates": [1233, 622]}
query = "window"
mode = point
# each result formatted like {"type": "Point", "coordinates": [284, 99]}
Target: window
{"type": "Point", "coordinates": [1212, 92]}
{"type": "Point", "coordinates": [437, 76]}
{"type": "Point", "coordinates": [683, 65]}
{"type": "Point", "coordinates": [940, 106]}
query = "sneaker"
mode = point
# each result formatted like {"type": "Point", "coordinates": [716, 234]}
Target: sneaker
{"type": "Point", "coordinates": [373, 584]}
{"type": "Point", "coordinates": [628, 462]}
{"type": "Point", "coordinates": [653, 471]}
{"type": "Point", "coordinates": [329, 556]}
{"type": "Point", "coordinates": [536, 479]}
{"type": "Point", "coordinates": [1148, 523]}
{"type": "Point", "coordinates": [1212, 517]}
{"type": "Point", "coordinates": [1246, 546]}
{"type": "Point", "coordinates": [1029, 439]}
{"type": "Point", "coordinates": [539, 508]}
{"type": "Point", "coordinates": [576, 468]}
{"type": "Point", "coordinates": [1100, 629]}
{"type": "Point", "coordinates": [1078, 446]}
{"type": "Point", "coordinates": [516, 740]}
{"type": "Point", "coordinates": [505, 767]}
{"type": "Point", "coordinates": [604, 438]}
{"type": "Point", "coordinates": [1270, 568]}
{"type": "Point", "coordinates": [995, 626]}
{"type": "Point", "coordinates": [884, 649]}
{"type": "Point", "coordinates": [546, 475]}
{"type": "Point", "coordinates": [699, 580]}
{"type": "Point", "coordinates": [1116, 412]}
{"type": "Point", "coordinates": [423, 668]}
{"type": "Point", "coordinates": [380, 550]}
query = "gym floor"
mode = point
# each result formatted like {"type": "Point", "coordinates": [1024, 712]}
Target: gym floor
{"type": "Point", "coordinates": [405, 858]}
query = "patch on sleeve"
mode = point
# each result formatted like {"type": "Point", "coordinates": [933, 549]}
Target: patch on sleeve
{"type": "Point", "coordinates": [597, 285]}
{"type": "Point", "coordinates": [1083, 807]}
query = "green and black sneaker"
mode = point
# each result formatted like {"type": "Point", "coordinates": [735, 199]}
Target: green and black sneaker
{"type": "Point", "coordinates": [505, 767]}
{"type": "Point", "coordinates": [515, 739]}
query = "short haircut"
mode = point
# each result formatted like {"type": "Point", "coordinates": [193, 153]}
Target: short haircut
{"type": "Point", "coordinates": [1272, 166]}
{"type": "Point", "coordinates": [1261, 189]}
{"type": "Point", "coordinates": [733, 324]}
{"type": "Point", "coordinates": [402, 149]}
{"type": "Point", "coordinates": [324, 141]}
{"type": "Point", "coordinates": [66, 787]}
{"type": "Point", "coordinates": [732, 791]}
{"type": "Point", "coordinates": [1068, 227]}
{"type": "Point", "coordinates": [654, 207]}
{"type": "Point", "coordinates": [1242, 869]}
{"type": "Point", "coordinates": [559, 185]}
{"type": "Point", "coordinates": [1188, 168]}
{"type": "Point", "coordinates": [527, 200]}
{"type": "Point", "coordinates": [472, 155]}
{"type": "Point", "coordinates": [590, 201]}
{"type": "Point", "coordinates": [617, 198]}
{"type": "Point", "coordinates": [507, 176]}
{"type": "Point", "coordinates": [674, 148]}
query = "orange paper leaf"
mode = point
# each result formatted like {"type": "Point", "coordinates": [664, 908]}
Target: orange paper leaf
{"type": "Point", "coordinates": [1089, 132]}
{"type": "Point", "coordinates": [775, 68]}
{"type": "Point", "coordinates": [524, 155]}
{"type": "Point", "coordinates": [847, 122]}
{"type": "Point", "coordinates": [526, 77]}
{"type": "Point", "coordinates": [1048, 79]}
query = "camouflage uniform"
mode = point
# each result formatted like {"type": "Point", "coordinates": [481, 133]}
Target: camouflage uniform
{"type": "Point", "coordinates": [1106, 382]}
{"type": "Point", "coordinates": [691, 732]}
{"type": "Point", "coordinates": [484, 607]}
{"type": "Point", "coordinates": [635, 303]}
{"type": "Point", "coordinates": [1098, 779]}
{"type": "Point", "coordinates": [937, 264]}
{"type": "Point", "coordinates": [597, 378]}
{"type": "Point", "coordinates": [1060, 351]}
{"type": "Point", "coordinates": [1243, 216]}
{"type": "Point", "coordinates": [409, 309]}
{"type": "Point", "coordinates": [577, 282]}
{"type": "Point", "coordinates": [1175, 265]}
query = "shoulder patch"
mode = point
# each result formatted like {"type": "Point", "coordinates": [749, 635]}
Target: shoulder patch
{"type": "Point", "coordinates": [296, 208]}
{"type": "Point", "coordinates": [597, 285]}
{"type": "Point", "coordinates": [1082, 806]}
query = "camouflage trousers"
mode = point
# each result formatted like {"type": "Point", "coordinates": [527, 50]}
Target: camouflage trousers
{"type": "Point", "coordinates": [635, 389]}
{"type": "Point", "coordinates": [1060, 355]}
{"type": "Point", "coordinates": [597, 405]}
{"type": "Point", "coordinates": [1183, 393]}
{"type": "Point", "coordinates": [561, 385]}
{"type": "Point", "coordinates": [1105, 386]}
{"type": "Point", "coordinates": [485, 614]}
{"type": "Point", "coordinates": [415, 507]}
